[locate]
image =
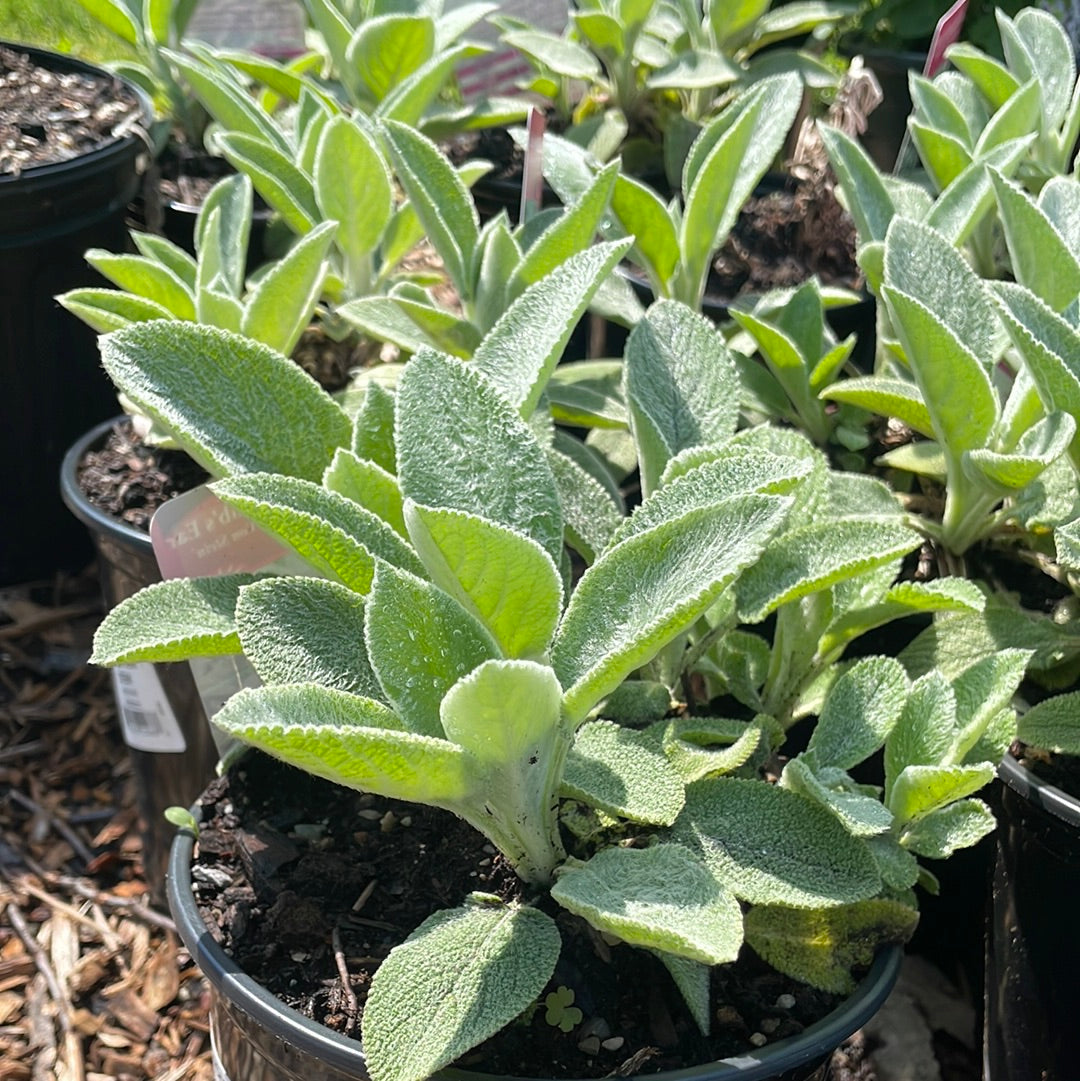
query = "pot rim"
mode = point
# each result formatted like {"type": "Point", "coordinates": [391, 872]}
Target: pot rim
{"type": "Point", "coordinates": [75, 499]}
{"type": "Point", "coordinates": [1050, 798]}
{"type": "Point", "coordinates": [809, 1047]}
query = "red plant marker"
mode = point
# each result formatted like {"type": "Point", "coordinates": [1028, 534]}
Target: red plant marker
{"type": "Point", "coordinates": [946, 33]}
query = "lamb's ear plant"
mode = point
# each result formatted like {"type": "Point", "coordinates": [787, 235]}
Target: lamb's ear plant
{"type": "Point", "coordinates": [832, 575]}
{"type": "Point", "coordinates": [312, 165]}
{"type": "Point", "coordinates": [440, 653]}
{"type": "Point", "coordinates": [162, 281]}
{"type": "Point", "coordinates": [961, 209]}
{"type": "Point", "coordinates": [489, 267]}
{"type": "Point", "coordinates": [624, 80]}
{"type": "Point", "coordinates": [799, 358]}
{"type": "Point", "coordinates": [150, 29]}
{"type": "Point", "coordinates": [1035, 90]}
{"type": "Point", "coordinates": [398, 62]}
{"type": "Point", "coordinates": [1020, 118]}
{"type": "Point", "coordinates": [988, 446]}
{"type": "Point", "coordinates": [674, 242]}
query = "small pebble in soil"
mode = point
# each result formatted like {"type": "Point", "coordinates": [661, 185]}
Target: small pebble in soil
{"type": "Point", "coordinates": [596, 1026]}
{"type": "Point", "coordinates": [785, 1002]}
{"type": "Point", "coordinates": [758, 1039]}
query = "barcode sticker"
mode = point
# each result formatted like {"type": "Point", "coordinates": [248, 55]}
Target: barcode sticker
{"type": "Point", "coordinates": [146, 718]}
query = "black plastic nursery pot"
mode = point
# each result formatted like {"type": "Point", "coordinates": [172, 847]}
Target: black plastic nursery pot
{"type": "Point", "coordinates": [54, 387]}
{"type": "Point", "coordinates": [164, 724]}
{"type": "Point", "coordinates": [256, 1037]}
{"type": "Point", "coordinates": [1032, 992]}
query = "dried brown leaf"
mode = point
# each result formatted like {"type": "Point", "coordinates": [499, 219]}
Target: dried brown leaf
{"type": "Point", "coordinates": [10, 1006]}
{"type": "Point", "coordinates": [161, 978]}
{"type": "Point", "coordinates": [133, 1014]}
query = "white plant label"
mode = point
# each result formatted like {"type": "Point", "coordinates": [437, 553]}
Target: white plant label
{"type": "Point", "coordinates": [146, 718]}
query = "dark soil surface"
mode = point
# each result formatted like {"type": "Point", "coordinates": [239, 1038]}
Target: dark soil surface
{"type": "Point", "coordinates": [284, 884]}
{"type": "Point", "coordinates": [48, 117]}
{"type": "Point", "coordinates": [129, 480]}
{"type": "Point", "coordinates": [782, 238]}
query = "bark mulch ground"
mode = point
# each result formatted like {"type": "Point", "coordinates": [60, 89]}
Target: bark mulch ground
{"type": "Point", "coordinates": [94, 984]}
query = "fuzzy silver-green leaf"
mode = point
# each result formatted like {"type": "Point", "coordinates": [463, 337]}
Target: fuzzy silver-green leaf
{"type": "Point", "coordinates": [461, 976]}
{"type": "Point", "coordinates": [772, 846]}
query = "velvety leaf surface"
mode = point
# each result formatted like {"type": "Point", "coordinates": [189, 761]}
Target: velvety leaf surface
{"type": "Point", "coordinates": [368, 484]}
{"type": "Point", "coordinates": [334, 534]}
{"type": "Point", "coordinates": [959, 825]}
{"type": "Point", "coordinates": [502, 577]}
{"type": "Point", "coordinates": [421, 642]}
{"type": "Point", "coordinates": [460, 977]}
{"type": "Point", "coordinates": [809, 558]}
{"type": "Point", "coordinates": [772, 846]}
{"type": "Point", "coordinates": [225, 398]}
{"type": "Point", "coordinates": [681, 385]}
{"type": "Point", "coordinates": [105, 310]}
{"type": "Point", "coordinates": [700, 747]}
{"type": "Point", "coordinates": [693, 981]}
{"type": "Point", "coordinates": [145, 278]}
{"type": "Point", "coordinates": [373, 428]}
{"type": "Point", "coordinates": [732, 472]}
{"type": "Point", "coordinates": [590, 513]}
{"type": "Point", "coordinates": [348, 740]}
{"type": "Point", "coordinates": [520, 352]}
{"type": "Point", "coordinates": [982, 691]}
{"type": "Point", "coordinates": [172, 621]}
{"type": "Point", "coordinates": [862, 815]}
{"type": "Point", "coordinates": [301, 630]}
{"type": "Point", "coordinates": [821, 947]}
{"type": "Point", "coordinates": [642, 593]}
{"type": "Point", "coordinates": [859, 712]}
{"type": "Point", "coordinates": [616, 770]}
{"type": "Point", "coordinates": [926, 729]}
{"type": "Point", "coordinates": [922, 789]}
{"type": "Point", "coordinates": [660, 897]}
{"type": "Point", "coordinates": [923, 265]}
{"type": "Point", "coordinates": [279, 308]}
{"type": "Point", "coordinates": [1048, 345]}
{"type": "Point", "coordinates": [1053, 724]}
{"type": "Point", "coordinates": [886, 397]}
{"type": "Point", "coordinates": [507, 715]}
{"type": "Point", "coordinates": [462, 446]}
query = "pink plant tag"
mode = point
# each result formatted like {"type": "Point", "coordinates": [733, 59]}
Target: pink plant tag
{"type": "Point", "coordinates": [195, 535]}
{"type": "Point", "coordinates": [532, 177]}
{"type": "Point", "coordinates": [946, 33]}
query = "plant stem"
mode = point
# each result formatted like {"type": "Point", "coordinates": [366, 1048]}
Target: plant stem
{"type": "Point", "coordinates": [966, 517]}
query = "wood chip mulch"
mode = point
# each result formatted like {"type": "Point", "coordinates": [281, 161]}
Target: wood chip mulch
{"type": "Point", "coordinates": [95, 985]}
